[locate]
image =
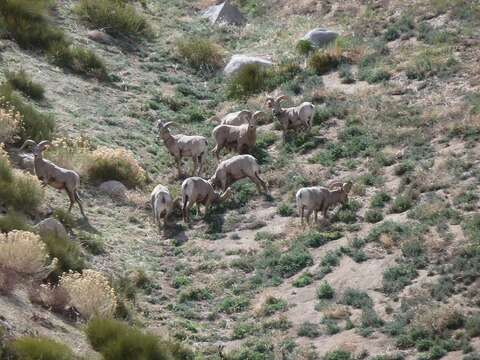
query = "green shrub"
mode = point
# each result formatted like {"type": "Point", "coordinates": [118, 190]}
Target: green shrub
{"type": "Point", "coordinates": [115, 340]}
{"type": "Point", "coordinates": [323, 61]}
{"type": "Point", "coordinates": [309, 330]}
{"type": "Point", "coordinates": [195, 294]}
{"type": "Point", "coordinates": [304, 47]}
{"type": "Point", "coordinates": [242, 330]}
{"type": "Point", "coordinates": [303, 280]}
{"type": "Point", "coordinates": [373, 216]}
{"type": "Point", "coordinates": [325, 291]}
{"type": "Point", "coordinates": [257, 349]}
{"type": "Point", "coordinates": [38, 348]}
{"type": "Point", "coordinates": [397, 277]}
{"type": "Point", "coordinates": [315, 239]}
{"type": "Point", "coordinates": [231, 304]}
{"type": "Point", "coordinates": [13, 220]}
{"type": "Point", "coordinates": [338, 355]}
{"type": "Point", "coordinates": [273, 305]}
{"type": "Point", "coordinates": [331, 258]}
{"type": "Point", "coordinates": [250, 79]}
{"type": "Point", "coordinates": [472, 326]}
{"type": "Point", "coordinates": [379, 199]}
{"type": "Point", "coordinates": [370, 319]}
{"type": "Point", "coordinates": [200, 53]}
{"type": "Point", "coordinates": [404, 25]}
{"type": "Point", "coordinates": [64, 217]}
{"type": "Point", "coordinates": [78, 60]}
{"type": "Point", "coordinates": [92, 243]}
{"type": "Point", "coordinates": [356, 298]}
{"type": "Point", "coordinates": [285, 210]}
{"type": "Point", "coordinates": [34, 125]}
{"type": "Point", "coordinates": [401, 204]}
{"type": "Point", "coordinates": [22, 193]}
{"type": "Point", "coordinates": [432, 63]}
{"type": "Point", "coordinates": [371, 70]}
{"type": "Point", "coordinates": [68, 253]}
{"type": "Point", "coordinates": [117, 17]}
{"type": "Point", "coordinates": [23, 82]}
{"type": "Point", "coordinates": [345, 74]}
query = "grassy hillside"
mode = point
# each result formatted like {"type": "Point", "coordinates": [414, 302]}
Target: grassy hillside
{"type": "Point", "coordinates": [392, 275]}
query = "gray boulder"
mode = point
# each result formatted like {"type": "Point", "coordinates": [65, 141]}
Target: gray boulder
{"type": "Point", "coordinates": [100, 36]}
{"type": "Point", "coordinates": [224, 13]}
{"type": "Point", "coordinates": [51, 226]}
{"type": "Point", "coordinates": [320, 37]}
{"type": "Point", "coordinates": [238, 61]}
{"type": "Point", "coordinates": [115, 189]}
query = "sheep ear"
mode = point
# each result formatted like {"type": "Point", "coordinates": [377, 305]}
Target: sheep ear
{"type": "Point", "coordinates": [347, 187]}
{"type": "Point", "coordinates": [28, 143]}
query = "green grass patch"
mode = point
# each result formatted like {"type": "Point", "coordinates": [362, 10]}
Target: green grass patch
{"type": "Point", "coordinates": [68, 253]}
{"type": "Point", "coordinates": [200, 53]}
{"type": "Point", "coordinates": [325, 291]}
{"type": "Point", "coordinates": [303, 280]}
{"type": "Point", "coordinates": [397, 277]}
{"type": "Point", "coordinates": [273, 305]}
{"type": "Point", "coordinates": [356, 298]}
{"type": "Point", "coordinates": [308, 329]}
{"type": "Point", "coordinates": [23, 82]}
{"type": "Point", "coordinates": [36, 348]}
{"type": "Point", "coordinates": [14, 220]}
{"type": "Point", "coordinates": [117, 17]}
{"type": "Point", "coordinates": [373, 216]}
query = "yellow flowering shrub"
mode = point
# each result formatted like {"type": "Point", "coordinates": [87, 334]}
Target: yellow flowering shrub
{"type": "Point", "coordinates": [25, 253]}
{"type": "Point", "coordinates": [90, 293]}
{"type": "Point", "coordinates": [70, 153]}
{"type": "Point", "coordinates": [115, 164]}
{"type": "Point", "coordinates": [10, 121]}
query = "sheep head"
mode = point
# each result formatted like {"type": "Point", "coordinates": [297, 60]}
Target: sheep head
{"type": "Point", "coordinates": [257, 116]}
{"type": "Point", "coordinates": [345, 189]}
{"type": "Point", "coordinates": [39, 148]}
{"type": "Point", "coordinates": [225, 195]}
{"type": "Point", "coordinates": [163, 128]}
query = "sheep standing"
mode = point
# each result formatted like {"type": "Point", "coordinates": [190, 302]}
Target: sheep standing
{"type": "Point", "coordinates": [55, 176]}
{"type": "Point", "coordinates": [162, 204]}
{"type": "Point", "coordinates": [241, 139]}
{"type": "Point", "coordinates": [319, 198]}
{"type": "Point", "coordinates": [196, 190]}
{"type": "Point", "coordinates": [236, 168]}
{"type": "Point", "coordinates": [292, 118]}
{"type": "Point", "coordinates": [184, 146]}
{"type": "Point", "coordinates": [241, 117]}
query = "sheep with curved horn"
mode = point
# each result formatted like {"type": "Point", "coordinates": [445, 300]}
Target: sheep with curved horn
{"type": "Point", "coordinates": [55, 176]}
{"type": "Point", "coordinates": [291, 118]}
{"type": "Point", "coordinates": [184, 146]}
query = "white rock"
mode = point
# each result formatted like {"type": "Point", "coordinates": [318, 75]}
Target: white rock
{"type": "Point", "coordinates": [224, 13]}
{"type": "Point", "coordinates": [320, 37]}
{"type": "Point", "coordinates": [115, 189]}
{"type": "Point", "coordinates": [239, 61]}
{"type": "Point", "coordinates": [51, 226]}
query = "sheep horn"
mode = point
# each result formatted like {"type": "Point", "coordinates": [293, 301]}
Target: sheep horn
{"type": "Point", "coordinates": [43, 144]}
{"type": "Point", "coordinates": [347, 186]}
{"type": "Point", "coordinates": [168, 124]}
{"type": "Point", "coordinates": [28, 142]}
{"type": "Point", "coordinates": [281, 97]}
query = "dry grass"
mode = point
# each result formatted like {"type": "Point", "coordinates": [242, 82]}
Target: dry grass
{"type": "Point", "coordinates": [336, 312]}
{"type": "Point", "coordinates": [10, 121]}
{"type": "Point", "coordinates": [24, 252]}
{"type": "Point", "coordinates": [90, 293]}
{"type": "Point", "coordinates": [438, 319]}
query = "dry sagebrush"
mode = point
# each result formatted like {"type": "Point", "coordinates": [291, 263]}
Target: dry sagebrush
{"type": "Point", "coordinates": [10, 121]}
{"type": "Point", "coordinates": [90, 293]}
{"type": "Point", "coordinates": [25, 253]}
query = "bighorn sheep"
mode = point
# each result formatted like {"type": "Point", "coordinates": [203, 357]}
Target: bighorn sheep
{"type": "Point", "coordinates": [241, 117]}
{"type": "Point", "coordinates": [291, 118]}
{"type": "Point", "coordinates": [162, 204]}
{"type": "Point", "coordinates": [181, 146]}
{"type": "Point", "coordinates": [236, 168]}
{"type": "Point", "coordinates": [196, 190]}
{"type": "Point", "coordinates": [238, 138]}
{"type": "Point", "coordinates": [319, 198]}
{"type": "Point", "coordinates": [55, 176]}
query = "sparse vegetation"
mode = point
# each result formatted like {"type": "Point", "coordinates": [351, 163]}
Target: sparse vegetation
{"type": "Point", "coordinates": [309, 330]}
{"type": "Point", "coordinates": [325, 291]}
{"type": "Point", "coordinates": [35, 348]}
{"type": "Point", "coordinates": [200, 53]}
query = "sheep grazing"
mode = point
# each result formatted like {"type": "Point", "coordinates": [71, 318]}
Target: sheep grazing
{"type": "Point", "coordinates": [184, 146]}
{"type": "Point", "coordinates": [55, 176]}
{"type": "Point", "coordinates": [236, 168]}
{"type": "Point", "coordinates": [319, 198]}
{"type": "Point", "coordinates": [241, 139]}
{"type": "Point", "coordinates": [241, 117]}
{"type": "Point", "coordinates": [162, 204]}
{"type": "Point", "coordinates": [196, 190]}
{"type": "Point", "coordinates": [292, 118]}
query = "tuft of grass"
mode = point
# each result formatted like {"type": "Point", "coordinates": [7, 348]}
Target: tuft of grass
{"type": "Point", "coordinates": [35, 348]}
{"type": "Point", "coordinates": [285, 210]}
{"type": "Point", "coordinates": [23, 82]}
{"type": "Point", "coordinates": [304, 47]}
{"type": "Point", "coordinates": [273, 305]}
{"type": "Point", "coordinates": [401, 203]}
{"type": "Point", "coordinates": [117, 17]}
{"type": "Point", "coordinates": [309, 330]}
{"type": "Point", "coordinates": [303, 280]}
{"type": "Point", "coordinates": [200, 53]}
{"type": "Point", "coordinates": [68, 253]}
{"type": "Point", "coordinates": [195, 294]}
{"type": "Point", "coordinates": [14, 220]}
{"type": "Point", "coordinates": [356, 298]}
{"type": "Point", "coordinates": [325, 291]}
{"type": "Point", "coordinates": [234, 304]}
{"type": "Point", "coordinates": [34, 124]}
{"type": "Point", "coordinates": [315, 239]}
{"type": "Point", "coordinates": [116, 340]}
{"type": "Point", "coordinates": [323, 61]}
{"type": "Point", "coordinates": [397, 277]}
{"type": "Point", "coordinates": [372, 71]}
{"type": "Point", "coordinates": [338, 355]}
{"type": "Point", "coordinates": [373, 216]}
{"type": "Point", "coordinates": [22, 192]}
{"type": "Point", "coordinates": [430, 63]}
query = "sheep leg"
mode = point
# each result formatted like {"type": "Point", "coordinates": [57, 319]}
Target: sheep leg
{"type": "Point", "coordinates": [79, 202]}
{"type": "Point", "coordinates": [307, 216]}
{"type": "Point", "coordinates": [325, 212]}
{"type": "Point", "coordinates": [185, 209]}
{"type": "Point", "coordinates": [316, 216]}
{"type": "Point", "coordinates": [302, 214]}
{"type": "Point", "coordinates": [260, 183]}
{"type": "Point", "coordinates": [200, 160]}
{"type": "Point", "coordinates": [195, 165]}
{"type": "Point", "coordinates": [72, 200]}
{"type": "Point", "coordinates": [178, 162]}
{"type": "Point", "coordinates": [199, 213]}
{"type": "Point", "coordinates": [216, 150]}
